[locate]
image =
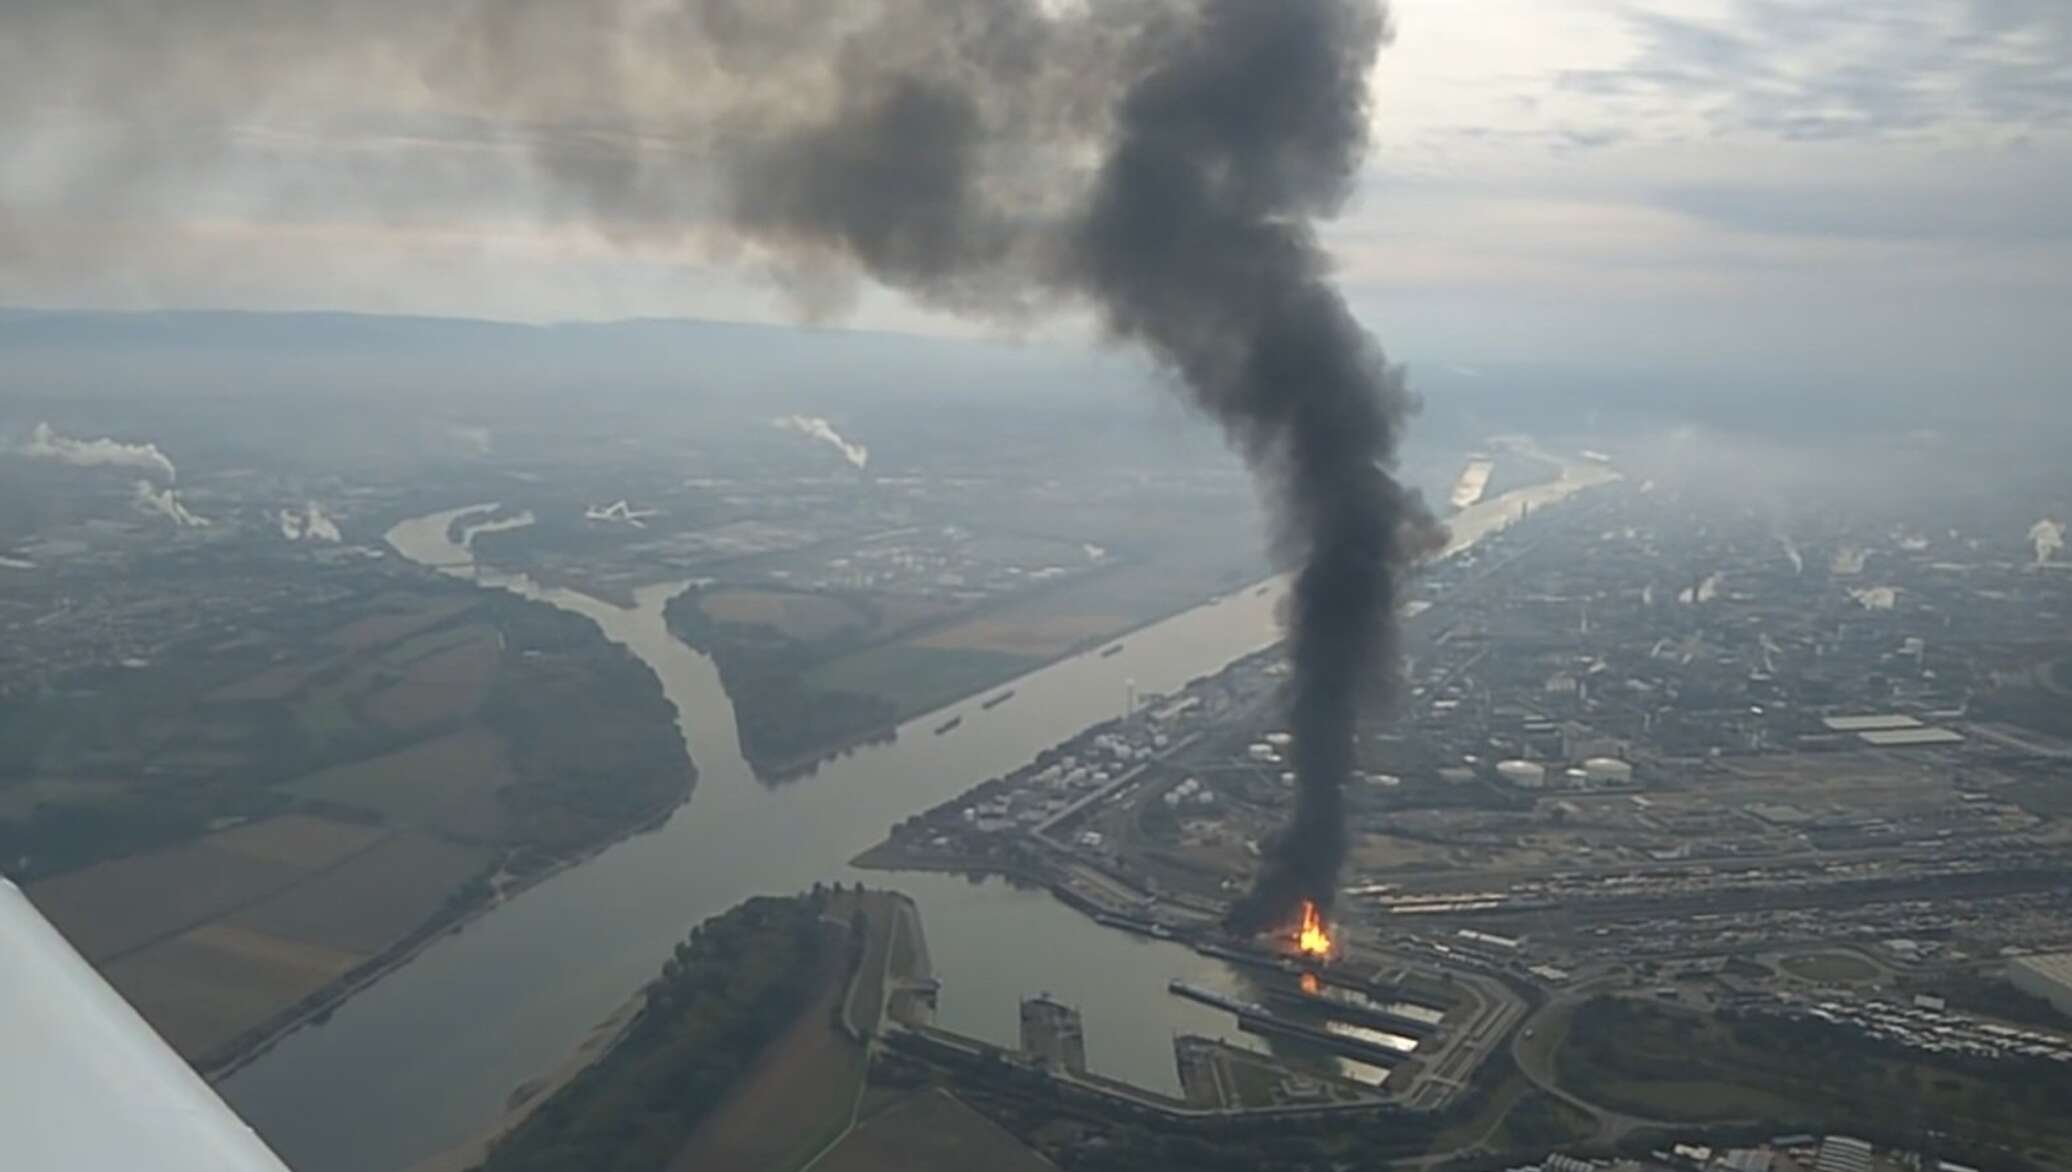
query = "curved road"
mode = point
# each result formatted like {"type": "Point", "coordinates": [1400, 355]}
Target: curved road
{"type": "Point", "coordinates": [1612, 1126]}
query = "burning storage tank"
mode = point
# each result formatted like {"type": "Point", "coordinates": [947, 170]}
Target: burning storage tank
{"type": "Point", "coordinates": [1312, 936]}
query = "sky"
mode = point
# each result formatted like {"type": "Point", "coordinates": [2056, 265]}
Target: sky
{"type": "Point", "coordinates": [1871, 195]}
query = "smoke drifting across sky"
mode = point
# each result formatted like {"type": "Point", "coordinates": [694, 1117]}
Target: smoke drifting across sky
{"type": "Point", "coordinates": [45, 443]}
{"type": "Point", "coordinates": [1858, 204]}
{"type": "Point", "coordinates": [814, 427]}
{"type": "Point", "coordinates": [1161, 163]}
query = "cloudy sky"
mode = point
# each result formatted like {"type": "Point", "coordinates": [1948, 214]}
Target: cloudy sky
{"type": "Point", "coordinates": [1860, 193]}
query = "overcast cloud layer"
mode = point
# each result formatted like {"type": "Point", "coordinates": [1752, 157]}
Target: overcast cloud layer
{"type": "Point", "coordinates": [1870, 197]}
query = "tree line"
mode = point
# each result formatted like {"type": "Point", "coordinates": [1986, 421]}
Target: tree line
{"type": "Point", "coordinates": [726, 991]}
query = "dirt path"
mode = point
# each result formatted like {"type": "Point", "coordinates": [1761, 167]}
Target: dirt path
{"type": "Point", "coordinates": [799, 1094]}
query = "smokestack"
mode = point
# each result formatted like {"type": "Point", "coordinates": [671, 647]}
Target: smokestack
{"type": "Point", "coordinates": [1162, 163]}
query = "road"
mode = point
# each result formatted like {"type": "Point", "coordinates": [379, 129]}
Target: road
{"type": "Point", "coordinates": [1538, 1069]}
{"type": "Point", "coordinates": [886, 987]}
{"type": "Point", "coordinates": [2009, 738]}
{"type": "Point", "coordinates": [1610, 1126]}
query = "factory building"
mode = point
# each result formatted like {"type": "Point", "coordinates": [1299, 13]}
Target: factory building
{"type": "Point", "coordinates": [1842, 1153]}
{"type": "Point", "coordinates": [2048, 976]}
{"type": "Point", "coordinates": [1053, 1035]}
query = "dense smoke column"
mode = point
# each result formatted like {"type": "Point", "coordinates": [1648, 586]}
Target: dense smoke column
{"type": "Point", "coordinates": [1198, 244]}
{"type": "Point", "coordinates": [1162, 162]}
{"type": "Point", "coordinates": [1215, 134]}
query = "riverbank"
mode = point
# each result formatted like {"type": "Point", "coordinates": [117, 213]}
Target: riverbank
{"type": "Point", "coordinates": [530, 1095]}
{"type": "Point", "coordinates": [746, 998]}
{"type": "Point", "coordinates": [788, 766]}
{"type": "Point", "coordinates": [802, 765]}
{"type": "Point", "coordinates": [891, 856]}
{"type": "Point", "coordinates": [319, 1006]}
{"type": "Point", "coordinates": [427, 1057]}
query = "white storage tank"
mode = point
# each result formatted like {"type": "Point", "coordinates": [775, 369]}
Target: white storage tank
{"type": "Point", "coordinates": [1607, 771]}
{"type": "Point", "coordinates": [1523, 774]}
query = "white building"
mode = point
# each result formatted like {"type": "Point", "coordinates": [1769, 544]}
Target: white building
{"type": "Point", "coordinates": [2048, 976]}
{"type": "Point", "coordinates": [1842, 1153]}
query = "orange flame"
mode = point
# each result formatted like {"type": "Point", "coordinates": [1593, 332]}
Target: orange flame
{"type": "Point", "coordinates": [1312, 938]}
{"type": "Point", "coordinates": [1311, 985]}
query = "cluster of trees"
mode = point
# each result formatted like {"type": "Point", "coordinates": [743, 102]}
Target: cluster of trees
{"type": "Point", "coordinates": [780, 717]}
{"type": "Point", "coordinates": [124, 725]}
{"type": "Point", "coordinates": [1260, 1145]}
{"type": "Point", "coordinates": [1994, 996]}
{"type": "Point", "coordinates": [92, 734]}
{"type": "Point", "coordinates": [590, 733]}
{"type": "Point", "coordinates": [738, 981]}
{"type": "Point", "coordinates": [779, 714]}
{"type": "Point", "coordinates": [591, 736]}
{"type": "Point", "coordinates": [1837, 1077]}
{"type": "Point", "coordinates": [1108, 1136]}
{"type": "Point", "coordinates": [1540, 1122]}
{"type": "Point", "coordinates": [61, 836]}
{"type": "Point", "coordinates": [2024, 703]}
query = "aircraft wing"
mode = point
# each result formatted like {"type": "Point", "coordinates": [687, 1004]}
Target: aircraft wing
{"type": "Point", "coordinates": [85, 1084]}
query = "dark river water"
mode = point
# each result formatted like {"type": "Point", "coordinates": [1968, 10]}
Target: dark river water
{"type": "Point", "coordinates": [427, 1056]}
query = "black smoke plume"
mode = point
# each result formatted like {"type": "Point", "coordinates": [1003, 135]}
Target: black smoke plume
{"type": "Point", "coordinates": [1198, 243]}
{"type": "Point", "coordinates": [1162, 162]}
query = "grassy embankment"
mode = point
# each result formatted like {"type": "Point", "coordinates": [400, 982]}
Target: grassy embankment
{"type": "Point", "coordinates": [725, 1004]}
{"type": "Point", "coordinates": [749, 1053]}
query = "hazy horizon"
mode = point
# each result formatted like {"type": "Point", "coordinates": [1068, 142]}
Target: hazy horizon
{"type": "Point", "coordinates": [1727, 195]}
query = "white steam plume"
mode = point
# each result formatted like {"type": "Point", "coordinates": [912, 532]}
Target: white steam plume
{"type": "Point", "coordinates": [620, 512]}
{"type": "Point", "coordinates": [156, 502]}
{"type": "Point", "coordinates": [312, 524]}
{"type": "Point", "coordinates": [1792, 554]}
{"type": "Point", "coordinates": [820, 429]}
{"type": "Point", "coordinates": [46, 444]}
{"type": "Point", "coordinates": [476, 440]}
{"type": "Point", "coordinates": [2048, 536]}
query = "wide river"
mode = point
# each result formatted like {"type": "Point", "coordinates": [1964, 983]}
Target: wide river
{"type": "Point", "coordinates": [428, 1055]}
